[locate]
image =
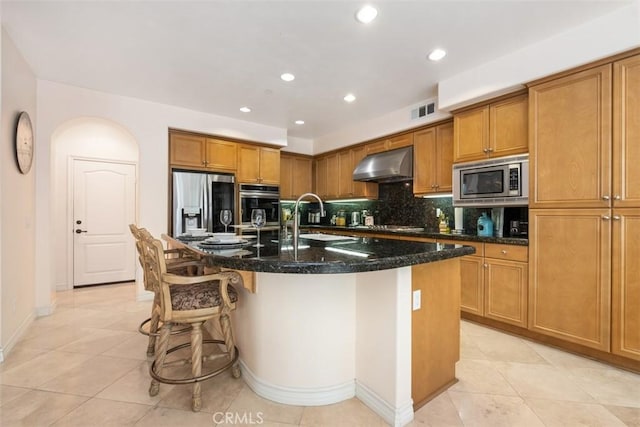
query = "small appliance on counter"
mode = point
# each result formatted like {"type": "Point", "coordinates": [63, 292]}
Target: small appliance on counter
{"type": "Point", "coordinates": [367, 218]}
{"type": "Point", "coordinates": [314, 217]}
{"type": "Point", "coordinates": [355, 219]}
{"type": "Point", "coordinates": [485, 226]}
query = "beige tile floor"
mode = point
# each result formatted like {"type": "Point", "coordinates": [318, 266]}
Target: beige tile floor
{"type": "Point", "coordinates": [86, 365]}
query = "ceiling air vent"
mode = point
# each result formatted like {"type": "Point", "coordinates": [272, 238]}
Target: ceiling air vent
{"type": "Point", "coordinates": [423, 110]}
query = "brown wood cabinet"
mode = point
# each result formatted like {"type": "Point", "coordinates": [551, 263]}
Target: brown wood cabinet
{"type": "Point", "coordinates": [295, 175]}
{"type": "Point", "coordinates": [221, 154]}
{"type": "Point", "coordinates": [494, 281]}
{"type": "Point", "coordinates": [392, 143]}
{"type": "Point", "coordinates": [505, 280]}
{"type": "Point", "coordinates": [257, 164]}
{"type": "Point", "coordinates": [433, 159]}
{"type": "Point", "coordinates": [626, 132]}
{"type": "Point", "coordinates": [626, 283]}
{"type": "Point", "coordinates": [196, 151]}
{"type": "Point", "coordinates": [320, 170]}
{"type": "Point", "coordinates": [493, 130]}
{"type": "Point", "coordinates": [570, 141]}
{"type": "Point", "coordinates": [368, 190]}
{"type": "Point", "coordinates": [435, 331]}
{"type": "Point", "coordinates": [334, 176]}
{"type": "Point", "coordinates": [570, 275]}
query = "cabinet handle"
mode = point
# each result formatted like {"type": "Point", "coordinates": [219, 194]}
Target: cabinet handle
{"type": "Point", "coordinates": [616, 217]}
{"type": "Point", "coordinates": [504, 251]}
{"type": "Point", "coordinates": [485, 150]}
{"type": "Point", "coordinates": [485, 265]}
{"type": "Point", "coordinates": [616, 197]}
{"type": "Point", "coordinates": [204, 162]}
{"type": "Point", "coordinates": [606, 217]}
{"type": "Point", "coordinates": [490, 150]}
{"type": "Point", "coordinates": [605, 197]}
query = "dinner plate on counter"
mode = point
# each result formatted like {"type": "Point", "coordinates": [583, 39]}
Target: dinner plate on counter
{"type": "Point", "coordinates": [217, 245]}
{"type": "Point", "coordinates": [193, 237]}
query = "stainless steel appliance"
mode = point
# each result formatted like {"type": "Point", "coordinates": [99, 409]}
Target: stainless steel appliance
{"type": "Point", "coordinates": [388, 166]}
{"type": "Point", "coordinates": [355, 218]}
{"type": "Point", "coordinates": [198, 198]}
{"type": "Point", "coordinates": [497, 182]}
{"type": "Point", "coordinates": [257, 196]}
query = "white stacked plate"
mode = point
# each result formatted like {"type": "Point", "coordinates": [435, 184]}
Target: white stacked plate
{"type": "Point", "coordinates": [223, 241]}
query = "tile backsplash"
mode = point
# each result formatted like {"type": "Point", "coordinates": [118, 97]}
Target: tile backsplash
{"type": "Point", "coordinates": [396, 205]}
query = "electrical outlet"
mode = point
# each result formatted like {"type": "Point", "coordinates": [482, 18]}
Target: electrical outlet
{"type": "Point", "coordinates": [438, 212]}
{"type": "Point", "coordinates": [417, 300]}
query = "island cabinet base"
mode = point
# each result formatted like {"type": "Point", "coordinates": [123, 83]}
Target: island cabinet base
{"type": "Point", "coordinates": [435, 329]}
{"type": "Point", "coordinates": [318, 339]}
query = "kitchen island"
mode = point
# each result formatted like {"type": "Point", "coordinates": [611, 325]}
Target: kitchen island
{"type": "Point", "coordinates": [337, 322]}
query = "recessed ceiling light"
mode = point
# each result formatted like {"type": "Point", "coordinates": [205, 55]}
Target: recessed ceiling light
{"type": "Point", "coordinates": [366, 14]}
{"type": "Point", "coordinates": [287, 77]}
{"type": "Point", "coordinates": [437, 54]}
{"type": "Point", "coordinates": [299, 122]}
{"type": "Point", "coordinates": [245, 109]}
{"type": "Point", "coordinates": [349, 97]}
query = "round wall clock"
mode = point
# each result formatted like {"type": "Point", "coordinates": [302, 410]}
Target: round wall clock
{"type": "Point", "coordinates": [24, 142]}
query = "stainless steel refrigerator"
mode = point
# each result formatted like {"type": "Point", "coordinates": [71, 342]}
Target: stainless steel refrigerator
{"type": "Point", "coordinates": [198, 198]}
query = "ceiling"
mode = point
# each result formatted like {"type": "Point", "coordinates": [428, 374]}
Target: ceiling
{"type": "Point", "coordinates": [217, 56]}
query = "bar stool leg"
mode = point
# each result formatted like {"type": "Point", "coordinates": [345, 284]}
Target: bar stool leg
{"type": "Point", "coordinates": [227, 332]}
{"type": "Point", "coordinates": [163, 345]}
{"type": "Point", "coordinates": [153, 326]}
{"type": "Point", "coordinates": [196, 364]}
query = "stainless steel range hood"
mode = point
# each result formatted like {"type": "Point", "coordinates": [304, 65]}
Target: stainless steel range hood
{"type": "Point", "coordinates": [388, 166]}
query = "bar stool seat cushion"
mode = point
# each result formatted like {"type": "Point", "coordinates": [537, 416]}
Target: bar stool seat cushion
{"type": "Point", "coordinates": [200, 295]}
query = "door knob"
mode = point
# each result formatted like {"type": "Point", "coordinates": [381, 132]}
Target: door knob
{"type": "Point", "coordinates": [78, 231]}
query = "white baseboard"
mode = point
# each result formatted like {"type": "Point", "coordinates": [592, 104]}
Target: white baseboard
{"type": "Point", "coordinates": [397, 417]}
{"type": "Point", "coordinates": [13, 339]}
{"type": "Point", "coordinates": [46, 310]}
{"type": "Point", "coordinates": [144, 296]}
{"type": "Point", "coordinates": [317, 396]}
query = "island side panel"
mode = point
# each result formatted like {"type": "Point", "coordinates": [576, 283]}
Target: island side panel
{"type": "Point", "coordinates": [296, 337]}
{"type": "Point", "coordinates": [435, 329]}
{"type": "Point", "coordinates": [383, 343]}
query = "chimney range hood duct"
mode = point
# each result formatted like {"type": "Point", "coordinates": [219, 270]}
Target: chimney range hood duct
{"type": "Point", "coordinates": [388, 166]}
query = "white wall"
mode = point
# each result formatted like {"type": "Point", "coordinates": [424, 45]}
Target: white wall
{"type": "Point", "coordinates": [607, 35]}
{"type": "Point", "coordinates": [395, 121]}
{"type": "Point", "coordinates": [17, 201]}
{"type": "Point", "coordinates": [148, 123]}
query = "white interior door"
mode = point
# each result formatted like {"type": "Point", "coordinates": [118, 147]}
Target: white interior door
{"type": "Point", "coordinates": [103, 207]}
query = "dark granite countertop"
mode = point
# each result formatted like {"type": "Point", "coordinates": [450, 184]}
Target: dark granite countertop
{"type": "Point", "coordinates": [433, 235]}
{"type": "Point", "coordinates": [319, 257]}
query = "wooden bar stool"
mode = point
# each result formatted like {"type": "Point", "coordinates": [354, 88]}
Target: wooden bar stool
{"type": "Point", "coordinates": [179, 261]}
{"type": "Point", "coordinates": [191, 300]}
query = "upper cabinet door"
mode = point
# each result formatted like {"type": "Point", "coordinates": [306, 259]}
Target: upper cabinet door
{"type": "Point", "coordinates": [570, 140]}
{"type": "Point", "coordinates": [444, 156]}
{"type": "Point", "coordinates": [221, 154]}
{"type": "Point", "coordinates": [187, 150]}
{"type": "Point", "coordinates": [626, 132]}
{"type": "Point", "coordinates": [424, 161]}
{"type": "Point", "coordinates": [269, 165]}
{"type": "Point", "coordinates": [249, 164]}
{"type": "Point", "coordinates": [508, 127]}
{"type": "Point", "coordinates": [471, 134]}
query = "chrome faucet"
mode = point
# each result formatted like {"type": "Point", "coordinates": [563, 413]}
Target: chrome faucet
{"type": "Point", "coordinates": [296, 226]}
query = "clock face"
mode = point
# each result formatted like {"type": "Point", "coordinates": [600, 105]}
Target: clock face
{"type": "Point", "coordinates": [24, 142]}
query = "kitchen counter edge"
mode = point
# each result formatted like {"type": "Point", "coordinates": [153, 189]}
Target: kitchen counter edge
{"type": "Point", "coordinates": [517, 241]}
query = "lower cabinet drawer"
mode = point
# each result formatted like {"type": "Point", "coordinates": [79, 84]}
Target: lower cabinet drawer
{"type": "Point", "coordinates": [507, 252]}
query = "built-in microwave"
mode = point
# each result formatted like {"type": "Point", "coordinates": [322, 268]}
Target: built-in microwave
{"type": "Point", "coordinates": [497, 182]}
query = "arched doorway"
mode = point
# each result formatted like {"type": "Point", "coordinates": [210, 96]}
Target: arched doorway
{"type": "Point", "coordinates": [102, 155]}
